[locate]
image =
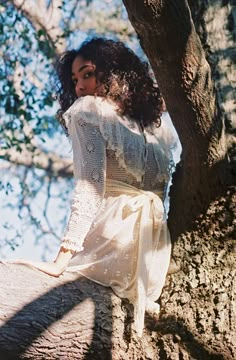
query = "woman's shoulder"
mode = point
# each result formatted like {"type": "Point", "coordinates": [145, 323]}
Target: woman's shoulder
{"type": "Point", "coordinates": [88, 103]}
{"type": "Point", "coordinates": [92, 109]}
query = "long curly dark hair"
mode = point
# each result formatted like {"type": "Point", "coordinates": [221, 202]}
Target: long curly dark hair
{"type": "Point", "coordinates": [125, 79]}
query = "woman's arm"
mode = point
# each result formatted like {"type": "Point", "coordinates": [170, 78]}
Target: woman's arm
{"type": "Point", "coordinates": [89, 155]}
{"type": "Point", "coordinates": [55, 268]}
{"type": "Point", "coordinates": [89, 152]}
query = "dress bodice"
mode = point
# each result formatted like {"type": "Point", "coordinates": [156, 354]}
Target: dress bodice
{"type": "Point", "coordinates": [108, 145]}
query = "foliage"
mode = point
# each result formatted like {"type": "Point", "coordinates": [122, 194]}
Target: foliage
{"type": "Point", "coordinates": [27, 112]}
{"type": "Point", "coordinates": [25, 69]}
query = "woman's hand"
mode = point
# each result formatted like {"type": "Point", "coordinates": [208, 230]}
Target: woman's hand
{"type": "Point", "coordinates": [50, 268]}
{"type": "Point", "coordinates": [55, 268]}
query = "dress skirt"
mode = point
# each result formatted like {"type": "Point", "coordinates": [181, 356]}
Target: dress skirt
{"type": "Point", "coordinates": [128, 247]}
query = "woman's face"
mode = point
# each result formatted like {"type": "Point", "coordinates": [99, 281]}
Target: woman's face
{"type": "Point", "coordinates": [83, 76]}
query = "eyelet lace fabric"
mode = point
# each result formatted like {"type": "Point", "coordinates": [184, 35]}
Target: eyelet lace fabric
{"type": "Point", "coordinates": [117, 227]}
{"type": "Point", "coordinates": [89, 152]}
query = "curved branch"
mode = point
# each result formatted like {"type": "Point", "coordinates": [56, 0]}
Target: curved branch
{"type": "Point", "coordinates": [50, 162]}
{"type": "Point", "coordinates": [44, 17]}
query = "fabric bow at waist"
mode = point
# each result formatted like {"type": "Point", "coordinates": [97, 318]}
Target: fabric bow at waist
{"type": "Point", "coordinates": [150, 202]}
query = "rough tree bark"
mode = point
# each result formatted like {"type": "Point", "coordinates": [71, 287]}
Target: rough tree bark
{"type": "Point", "coordinates": [215, 24]}
{"type": "Point", "coordinates": [47, 318]}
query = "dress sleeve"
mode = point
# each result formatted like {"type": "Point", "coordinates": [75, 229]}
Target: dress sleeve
{"type": "Point", "coordinates": [166, 146]}
{"type": "Point", "coordinates": [89, 156]}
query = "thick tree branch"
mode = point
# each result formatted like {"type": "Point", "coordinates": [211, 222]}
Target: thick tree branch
{"type": "Point", "coordinates": [62, 317]}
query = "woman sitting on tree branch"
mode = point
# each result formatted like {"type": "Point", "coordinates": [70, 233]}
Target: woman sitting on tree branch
{"type": "Point", "coordinates": [117, 232]}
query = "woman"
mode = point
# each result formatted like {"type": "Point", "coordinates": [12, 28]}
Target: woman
{"type": "Point", "coordinates": [117, 233]}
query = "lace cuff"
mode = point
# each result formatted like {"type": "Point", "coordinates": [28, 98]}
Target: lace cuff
{"type": "Point", "coordinates": [71, 245]}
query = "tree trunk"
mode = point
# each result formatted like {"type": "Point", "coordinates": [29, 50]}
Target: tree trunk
{"type": "Point", "coordinates": [216, 27]}
{"type": "Point", "coordinates": [169, 39]}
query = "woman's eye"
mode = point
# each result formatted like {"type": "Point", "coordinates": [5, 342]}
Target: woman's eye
{"type": "Point", "coordinates": [88, 75]}
{"type": "Point", "coordinates": [74, 81]}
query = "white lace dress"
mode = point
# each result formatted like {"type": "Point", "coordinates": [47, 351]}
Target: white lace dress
{"type": "Point", "coordinates": [117, 225]}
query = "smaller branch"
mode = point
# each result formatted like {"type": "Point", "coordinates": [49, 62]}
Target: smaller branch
{"type": "Point", "coordinates": [46, 18]}
{"type": "Point", "coordinates": [51, 162]}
